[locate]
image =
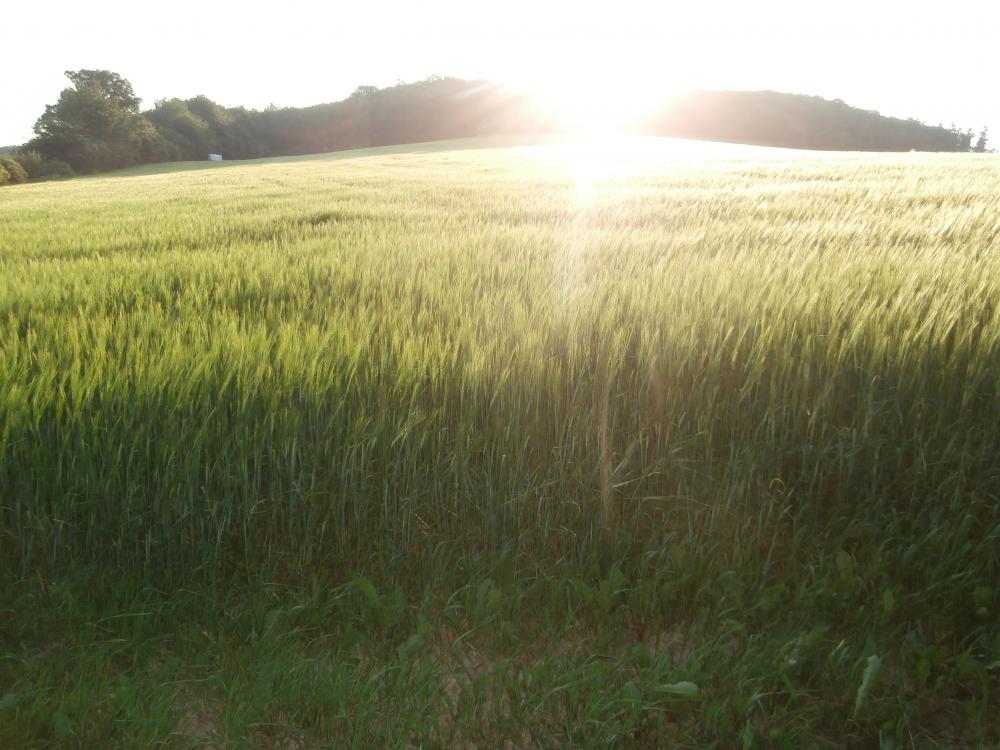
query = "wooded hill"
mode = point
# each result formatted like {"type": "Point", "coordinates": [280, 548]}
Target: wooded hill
{"type": "Point", "coordinates": [770, 118]}
{"type": "Point", "coordinates": [97, 124]}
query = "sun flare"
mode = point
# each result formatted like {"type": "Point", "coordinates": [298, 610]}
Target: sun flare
{"type": "Point", "coordinates": [597, 104]}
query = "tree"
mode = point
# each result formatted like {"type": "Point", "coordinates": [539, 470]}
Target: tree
{"type": "Point", "coordinates": [980, 147]}
{"type": "Point", "coordinates": [188, 133]}
{"type": "Point", "coordinates": [15, 172]}
{"type": "Point", "coordinates": [96, 125]}
{"type": "Point", "coordinates": [363, 91]}
{"type": "Point", "coordinates": [37, 166]}
{"type": "Point", "coordinates": [228, 138]}
{"type": "Point", "coordinates": [109, 85]}
{"type": "Point", "coordinates": [770, 118]}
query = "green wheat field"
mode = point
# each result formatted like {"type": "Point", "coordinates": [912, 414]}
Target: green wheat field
{"type": "Point", "coordinates": [486, 444]}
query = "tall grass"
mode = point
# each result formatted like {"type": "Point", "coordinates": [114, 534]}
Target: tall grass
{"type": "Point", "coordinates": [780, 368]}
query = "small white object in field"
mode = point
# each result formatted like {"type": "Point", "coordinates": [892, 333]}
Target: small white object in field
{"type": "Point", "coordinates": [215, 157]}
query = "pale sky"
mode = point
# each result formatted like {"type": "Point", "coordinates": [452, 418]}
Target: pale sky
{"type": "Point", "coordinates": [937, 61]}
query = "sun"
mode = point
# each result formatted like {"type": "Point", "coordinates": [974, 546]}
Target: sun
{"type": "Point", "coordinates": [576, 111]}
{"type": "Point", "coordinates": [597, 103]}
{"type": "Point", "coordinates": [598, 113]}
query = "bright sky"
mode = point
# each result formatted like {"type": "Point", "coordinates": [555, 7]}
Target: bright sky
{"type": "Point", "coordinates": [937, 61]}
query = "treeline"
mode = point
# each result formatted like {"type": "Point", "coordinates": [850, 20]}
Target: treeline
{"type": "Point", "coordinates": [769, 118]}
{"type": "Point", "coordinates": [97, 124]}
{"type": "Point", "coordinates": [430, 110]}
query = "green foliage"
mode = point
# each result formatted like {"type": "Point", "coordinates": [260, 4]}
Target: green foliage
{"type": "Point", "coordinates": [15, 172]}
{"type": "Point", "coordinates": [981, 141]}
{"type": "Point", "coordinates": [38, 167]}
{"type": "Point", "coordinates": [4, 175]}
{"type": "Point", "coordinates": [194, 128]}
{"type": "Point", "coordinates": [433, 109]}
{"type": "Point", "coordinates": [56, 168]}
{"type": "Point", "coordinates": [106, 85]}
{"type": "Point", "coordinates": [770, 118]}
{"type": "Point", "coordinates": [190, 135]}
{"type": "Point", "coordinates": [31, 161]}
{"type": "Point", "coordinates": [455, 446]}
{"type": "Point", "coordinates": [96, 126]}
{"type": "Point", "coordinates": [873, 666]}
{"type": "Point", "coordinates": [215, 116]}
